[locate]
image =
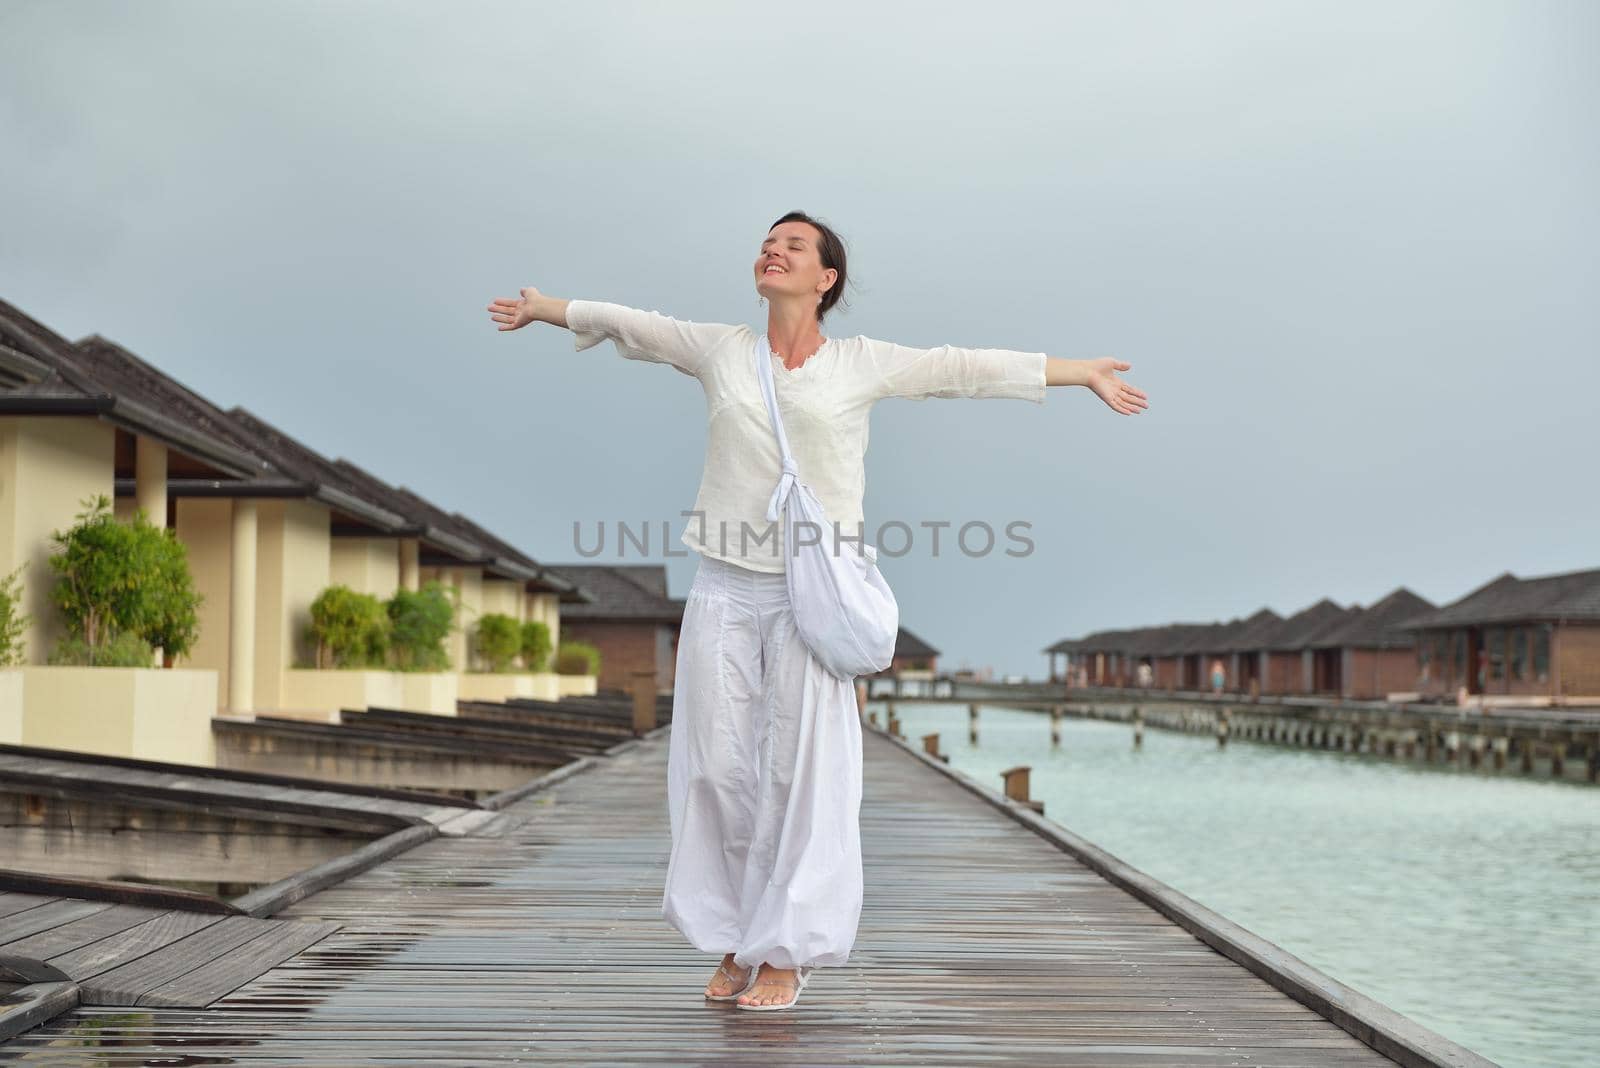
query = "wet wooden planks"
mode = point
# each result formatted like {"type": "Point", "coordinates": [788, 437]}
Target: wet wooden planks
{"type": "Point", "coordinates": [219, 792]}
{"type": "Point", "coordinates": [980, 943]}
{"type": "Point", "coordinates": [127, 955]}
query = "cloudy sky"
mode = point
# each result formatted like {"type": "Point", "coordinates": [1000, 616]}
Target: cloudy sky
{"type": "Point", "coordinates": [1348, 248]}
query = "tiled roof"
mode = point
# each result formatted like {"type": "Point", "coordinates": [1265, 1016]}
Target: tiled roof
{"type": "Point", "coordinates": [1306, 625]}
{"type": "Point", "coordinates": [1255, 630]}
{"type": "Point", "coordinates": [635, 592]}
{"type": "Point", "coordinates": [1374, 627]}
{"type": "Point", "coordinates": [1507, 599]}
{"type": "Point", "coordinates": [909, 645]}
{"type": "Point", "coordinates": [41, 372]}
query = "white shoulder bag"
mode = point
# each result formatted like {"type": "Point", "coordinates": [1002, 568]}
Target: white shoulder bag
{"type": "Point", "coordinates": [843, 608]}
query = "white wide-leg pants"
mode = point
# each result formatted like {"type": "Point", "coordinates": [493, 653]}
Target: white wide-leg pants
{"type": "Point", "coordinates": [763, 781]}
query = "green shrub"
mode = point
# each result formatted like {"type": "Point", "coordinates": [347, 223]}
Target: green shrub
{"type": "Point", "coordinates": [497, 639]}
{"type": "Point", "coordinates": [12, 620]}
{"type": "Point", "coordinates": [535, 644]}
{"type": "Point", "coordinates": [174, 622]}
{"type": "Point", "coordinates": [349, 629]}
{"type": "Point", "coordinates": [117, 578]}
{"type": "Point", "coordinates": [124, 650]}
{"type": "Point", "coordinates": [420, 621]}
{"type": "Point", "coordinates": [577, 658]}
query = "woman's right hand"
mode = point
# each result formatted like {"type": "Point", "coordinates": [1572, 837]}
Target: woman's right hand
{"type": "Point", "coordinates": [513, 313]}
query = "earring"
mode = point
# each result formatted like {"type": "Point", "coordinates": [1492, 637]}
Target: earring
{"type": "Point", "coordinates": [761, 301]}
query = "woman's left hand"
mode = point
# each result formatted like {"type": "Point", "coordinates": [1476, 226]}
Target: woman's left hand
{"type": "Point", "coordinates": [1121, 396]}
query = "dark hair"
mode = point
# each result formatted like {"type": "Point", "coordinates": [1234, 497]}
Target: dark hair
{"type": "Point", "coordinates": [831, 251]}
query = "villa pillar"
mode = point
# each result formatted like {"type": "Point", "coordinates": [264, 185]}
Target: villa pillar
{"type": "Point", "coordinates": [242, 610]}
{"type": "Point", "coordinates": [409, 569]}
{"type": "Point", "coordinates": [150, 478]}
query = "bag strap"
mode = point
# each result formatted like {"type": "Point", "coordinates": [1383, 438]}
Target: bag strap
{"type": "Point", "coordinates": [769, 393]}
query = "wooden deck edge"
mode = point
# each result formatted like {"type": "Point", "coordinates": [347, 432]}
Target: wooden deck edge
{"type": "Point", "coordinates": [1385, 1030]}
{"type": "Point", "coordinates": [118, 893]}
{"type": "Point", "coordinates": [276, 896]}
{"type": "Point", "coordinates": [565, 771]}
{"type": "Point", "coordinates": [35, 1004]}
{"type": "Point", "coordinates": [538, 782]}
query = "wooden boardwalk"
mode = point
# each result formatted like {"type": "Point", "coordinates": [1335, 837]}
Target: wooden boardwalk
{"type": "Point", "coordinates": [539, 940]}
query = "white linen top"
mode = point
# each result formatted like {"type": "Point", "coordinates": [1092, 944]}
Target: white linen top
{"type": "Point", "coordinates": [824, 402]}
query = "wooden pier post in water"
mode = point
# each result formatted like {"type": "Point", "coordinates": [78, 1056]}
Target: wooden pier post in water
{"type": "Point", "coordinates": [1558, 759]}
{"type": "Point", "coordinates": [972, 724]}
{"type": "Point", "coordinates": [894, 725]}
{"type": "Point", "coordinates": [1222, 728]}
{"type": "Point", "coordinates": [1055, 726]}
{"type": "Point", "coordinates": [1016, 787]}
{"type": "Point", "coordinates": [1138, 727]}
{"type": "Point", "coordinates": [644, 700]}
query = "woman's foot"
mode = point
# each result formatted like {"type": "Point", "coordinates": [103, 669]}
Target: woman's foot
{"type": "Point", "coordinates": [729, 980]}
{"type": "Point", "coordinates": [773, 986]}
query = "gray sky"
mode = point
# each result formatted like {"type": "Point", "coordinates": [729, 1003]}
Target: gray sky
{"type": "Point", "coordinates": [1348, 248]}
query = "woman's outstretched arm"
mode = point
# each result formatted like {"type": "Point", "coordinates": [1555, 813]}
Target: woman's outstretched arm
{"type": "Point", "coordinates": [513, 313]}
{"type": "Point", "coordinates": [952, 371]}
{"type": "Point", "coordinates": [1099, 374]}
{"type": "Point", "coordinates": [638, 334]}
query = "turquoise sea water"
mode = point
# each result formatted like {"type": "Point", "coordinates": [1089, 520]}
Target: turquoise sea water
{"type": "Point", "coordinates": [1468, 901]}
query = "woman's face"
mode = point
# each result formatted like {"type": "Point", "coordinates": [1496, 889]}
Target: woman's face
{"type": "Point", "coordinates": [790, 264]}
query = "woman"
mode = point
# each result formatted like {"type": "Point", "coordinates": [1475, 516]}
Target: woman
{"type": "Point", "coordinates": [764, 753]}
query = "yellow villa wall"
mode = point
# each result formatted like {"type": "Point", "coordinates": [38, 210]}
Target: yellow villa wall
{"type": "Point", "coordinates": [545, 608]}
{"type": "Point", "coordinates": [205, 526]}
{"type": "Point", "coordinates": [503, 596]}
{"type": "Point", "coordinates": [145, 713]}
{"type": "Point", "coordinates": [292, 561]}
{"type": "Point", "coordinates": [469, 583]}
{"type": "Point", "coordinates": [366, 565]}
{"type": "Point", "coordinates": [48, 466]}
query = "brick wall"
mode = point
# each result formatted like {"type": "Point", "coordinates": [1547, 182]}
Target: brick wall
{"type": "Point", "coordinates": [624, 649]}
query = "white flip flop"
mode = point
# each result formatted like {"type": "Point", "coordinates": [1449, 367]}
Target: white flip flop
{"type": "Point", "coordinates": [801, 975]}
{"type": "Point", "coordinates": [750, 981]}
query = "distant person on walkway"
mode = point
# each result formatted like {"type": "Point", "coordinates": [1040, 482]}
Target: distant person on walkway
{"type": "Point", "coordinates": [764, 751]}
{"type": "Point", "coordinates": [1144, 674]}
{"type": "Point", "coordinates": [1219, 676]}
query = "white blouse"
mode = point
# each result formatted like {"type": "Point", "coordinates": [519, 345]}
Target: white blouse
{"type": "Point", "coordinates": [824, 403]}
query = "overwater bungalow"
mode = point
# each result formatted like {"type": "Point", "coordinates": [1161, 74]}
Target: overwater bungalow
{"type": "Point", "coordinates": [1533, 641]}
{"type": "Point", "coordinates": [1287, 666]}
{"type": "Point", "coordinates": [1367, 657]}
{"type": "Point", "coordinates": [1240, 651]}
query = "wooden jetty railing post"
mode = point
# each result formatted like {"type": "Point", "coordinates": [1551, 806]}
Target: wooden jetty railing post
{"type": "Point", "coordinates": [872, 718]}
{"type": "Point", "coordinates": [930, 745]}
{"type": "Point", "coordinates": [644, 700]}
{"type": "Point", "coordinates": [894, 725]}
{"type": "Point", "coordinates": [1016, 787]}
